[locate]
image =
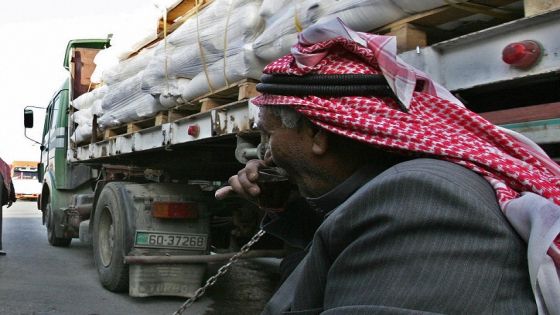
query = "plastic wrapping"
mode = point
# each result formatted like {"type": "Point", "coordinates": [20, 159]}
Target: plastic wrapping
{"type": "Point", "coordinates": [139, 28]}
{"type": "Point", "coordinates": [225, 42]}
{"type": "Point", "coordinates": [241, 64]}
{"type": "Point", "coordinates": [81, 134]}
{"type": "Point", "coordinates": [87, 105]}
{"type": "Point", "coordinates": [361, 15]}
{"type": "Point", "coordinates": [129, 67]}
{"type": "Point", "coordinates": [87, 100]}
{"type": "Point", "coordinates": [84, 119]}
{"type": "Point", "coordinates": [126, 102]}
{"type": "Point", "coordinates": [221, 29]}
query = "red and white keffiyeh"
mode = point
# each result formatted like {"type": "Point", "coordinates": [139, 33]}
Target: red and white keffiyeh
{"type": "Point", "coordinates": [526, 180]}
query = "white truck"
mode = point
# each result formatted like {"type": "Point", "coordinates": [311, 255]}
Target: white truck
{"type": "Point", "coordinates": [133, 163]}
{"type": "Point", "coordinates": [25, 180]}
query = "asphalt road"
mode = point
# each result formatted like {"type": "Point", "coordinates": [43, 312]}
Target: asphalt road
{"type": "Point", "coordinates": [38, 279]}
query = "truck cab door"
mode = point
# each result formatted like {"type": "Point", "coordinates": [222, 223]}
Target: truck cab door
{"type": "Point", "coordinates": [54, 141]}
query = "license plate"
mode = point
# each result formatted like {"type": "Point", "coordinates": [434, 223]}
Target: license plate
{"type": "Point", "coordinates": [170, 240]}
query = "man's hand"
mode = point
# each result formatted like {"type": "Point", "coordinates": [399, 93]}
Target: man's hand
{"type": "Point", "coordinates": [244, 184]}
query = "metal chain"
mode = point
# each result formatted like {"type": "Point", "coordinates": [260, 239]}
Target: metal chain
{"type": "Point", "coordinates": [212, 280]}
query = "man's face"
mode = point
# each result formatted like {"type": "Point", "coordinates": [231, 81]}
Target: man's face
{"type": "Point", "coordinates": [289, 148]}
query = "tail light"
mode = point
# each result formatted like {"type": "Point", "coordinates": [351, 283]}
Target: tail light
{"type": "Point", "coordinates": [174, 210]}
{"type": "Point", "coordinates": [522, 54]}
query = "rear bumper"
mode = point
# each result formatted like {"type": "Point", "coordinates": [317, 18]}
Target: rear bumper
{"type": "Point", "coordinates": [27, 196]}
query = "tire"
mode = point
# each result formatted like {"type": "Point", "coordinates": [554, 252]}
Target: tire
{"type": "Point", "coordinates": [108, 240]}
{"type": "Point", "coordinates": [51, 235]}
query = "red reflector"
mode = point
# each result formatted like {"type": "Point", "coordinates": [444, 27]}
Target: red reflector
{"type": "Point", "coordinates": [174, 210]}
{"type": "Point", "coordinates": [193, 131]}
{"type": "Point", "coordinates": [523, 54]}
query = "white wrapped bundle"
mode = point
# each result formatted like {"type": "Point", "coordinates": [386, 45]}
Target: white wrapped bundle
{"type": "Point", "coordinates": [126, 102]}
{"type": "Point", "coordinates": [241, 64]}
{"type": "Point", "coordinates": [87, 100]}
{"type": "Point", "coordinates": [222, 27]}
{"type": "Point", "coordinates": [86, 104]}
{"type": "Point", "coordinates": [270, 8]}
{"type": "Point", "coordinates": [83, 118]}
{"type": "Point", "coordinates": [171, 97]}
{"type": "Point", "coordinates": [139, 28]}
{"type": "Point", "coordinates": [241, 17]}
{"type": "Point", "coordinates": [81, 134]}
{"type": "Point", "coordinates": [129, 67]}
{"type": "Point", "coordinates": [361, 15]}
{"type": "Point", "coordinates": [156, 78]}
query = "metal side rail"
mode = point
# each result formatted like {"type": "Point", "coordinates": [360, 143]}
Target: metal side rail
{"type": "Point", "coordinates": [229, 119]}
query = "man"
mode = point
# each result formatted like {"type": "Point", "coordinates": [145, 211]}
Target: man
{"type": "Point", "coordinates": [7, 194]}
{"type": "Point", "coordinates": [423, 236]}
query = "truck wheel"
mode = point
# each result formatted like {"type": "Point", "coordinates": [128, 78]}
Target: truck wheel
{"type": "Point", "coordinates": [51, 235]}
{"type": "Point", "coordinates": [108, 241]}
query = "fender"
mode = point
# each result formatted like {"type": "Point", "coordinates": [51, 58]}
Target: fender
{"type": "Point", "coordinates": [49, 185]}
{"type": "Point", "coordinates": [58, 198]}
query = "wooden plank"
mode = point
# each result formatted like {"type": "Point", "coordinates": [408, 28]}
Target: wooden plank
{"type": "Point", "coordinates": [247, 90]}
{"type": "Point", "coordinates": [161, 118]}
{"type": "Point", "coordinates": [132, 127]}
{"type": "Point", "coordinates": [448, 13]}
{"type": "Point", "coordinates": [210, 103]}
{"type": "Point", "coordinates": [478, 8]}
{"type": "Point", "coordinates": [410, 19]}
{"type": "Point", "coordinates": [409, 37]}
{"type": "Point", "coordinates": [523, 114]}
{"type": "Point", "coordinates": [231, 92]}
{"type": "Point", "coordinates": [109, 133]}
{"type": "Point", "coordinates": [82, 67]}
{"type": "Point", "coordinates": [533, 7]}
{"type": "Point", "coordinates": [180, 10]}
{"type": "Point", "coordinates": [175, 114]}
{"type": "Point", "coordinates": [181, 13]}
{"type": "Point", "coordinates": [135, 126]}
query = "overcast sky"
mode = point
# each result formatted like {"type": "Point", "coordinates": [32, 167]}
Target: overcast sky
{"type": "Point", "coordinates": [34, 36]}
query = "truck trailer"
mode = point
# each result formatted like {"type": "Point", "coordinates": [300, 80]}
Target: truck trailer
{"type": "Point", "coordinates": [172, 121]}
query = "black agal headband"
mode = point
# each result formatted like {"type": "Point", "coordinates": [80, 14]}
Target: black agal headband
{"type": "Point", "coordinates": [326, 85]}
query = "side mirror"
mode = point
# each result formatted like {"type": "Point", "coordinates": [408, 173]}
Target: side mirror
{"type": "Point", "coordinates": [28, 118]}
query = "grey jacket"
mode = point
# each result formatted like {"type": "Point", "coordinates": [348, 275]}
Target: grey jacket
{"type": "Point", "coordinates": [425, 236]}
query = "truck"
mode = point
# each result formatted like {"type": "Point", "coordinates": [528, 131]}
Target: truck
{"type": "Point", "coordinates": [25, 180]}
{"type": "Point", "coordinates": [139, 184]}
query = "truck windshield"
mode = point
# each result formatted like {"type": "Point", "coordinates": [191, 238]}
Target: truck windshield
{"type": "Point", "coordinates": [18, 174]}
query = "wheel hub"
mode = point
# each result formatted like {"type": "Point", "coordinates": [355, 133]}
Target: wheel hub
{"type": "Point", "coordinates": [106, 237]}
